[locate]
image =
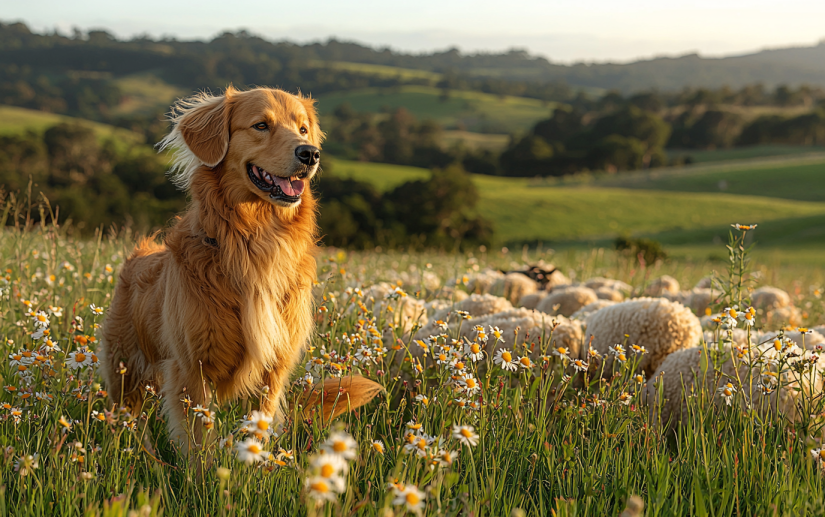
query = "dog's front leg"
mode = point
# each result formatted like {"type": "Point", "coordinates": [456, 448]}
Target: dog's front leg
{"type": "Point", "coordinates": [183, 392]}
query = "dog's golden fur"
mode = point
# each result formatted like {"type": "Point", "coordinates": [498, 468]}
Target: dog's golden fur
{"type": "Point", "coordinates": [224, 305]}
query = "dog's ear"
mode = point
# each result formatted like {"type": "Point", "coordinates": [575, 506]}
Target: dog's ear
{"type": "Point", "coordinates": [204, 128]}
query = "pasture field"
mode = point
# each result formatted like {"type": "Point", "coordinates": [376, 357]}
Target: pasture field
{"type": "Point", "coordinates": [682, 208]}
{"type": "Point", "coordinates": [467, 110]}
{"type": "Point", "coordinates": [744, 153]}
{"type": "Point", "coordinates": [543, 438]}
{"type": "Point", "coordinates": [14, 120]}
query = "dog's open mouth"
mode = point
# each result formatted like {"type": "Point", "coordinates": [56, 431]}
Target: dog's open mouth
{"type": "Point", "coordinates": [280, 188]}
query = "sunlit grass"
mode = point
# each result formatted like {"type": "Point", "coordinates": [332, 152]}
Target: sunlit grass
{"type": "Point", "coordinates": [545, 442]}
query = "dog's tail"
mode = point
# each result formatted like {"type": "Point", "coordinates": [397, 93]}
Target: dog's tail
{"type": "Point", "coordinates": [339, 395]}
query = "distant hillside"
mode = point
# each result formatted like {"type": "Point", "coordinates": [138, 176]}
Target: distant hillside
{"type": "Point", "coordinates": [336, 65]}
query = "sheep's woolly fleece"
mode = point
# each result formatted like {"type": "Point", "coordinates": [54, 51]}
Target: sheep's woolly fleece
{"type": "Point", "coordinates": [608, 283]}
{"type": "Point", "coordinates": [583, 313]}
{"type": "Point", "coordinates": [663, 285]}
{"type": "Point", "coordinates": [530, 301]}
{"type": "Point", "coordinates": [774, 307]}
{"type": "Point", "coordinates": [606, 293]}
{"type": "Point", "coordinates": [476, 305]}
{"type": "Point", "coordinates": [690, 368]}
{"type": "Point", "coordinates": [519, 326]}
{"type": "Point", "coordinates": [567, 300]}
{"type": "Point", "coordinates": [513, 287]}
{"type": "Point", "coordinates": [483, 281]}
{"type": "Point", "coordinates": [659, 325]}
{"type": "Point", "coordinates": [406, 312]}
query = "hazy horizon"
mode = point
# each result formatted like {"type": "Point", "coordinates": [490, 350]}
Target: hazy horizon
{"type": "Point", "coordinates": [596, 32]}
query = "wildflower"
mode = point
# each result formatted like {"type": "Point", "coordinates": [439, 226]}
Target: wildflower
{"type": "Point", "coordinates": [330, 467]}
{"type": "Point", "coordinates": [413, 425]}
{"type": "Point", "coordinates": [378, 446]}
{"type": "Point", "coordinates": [748, 317]}
{"type": "Point", "coordinates": [365, 355]}
{"type": "Point", "coordinates": [418, 445]}
{"type": "Point", "coordinates": [504, 358]}
{"type": "Point", "coordinates": [411, 498]}
{"type": "Point", "coordinates": [320, 489]}
{"type": "Point", "coordinates": [593, 353]}
{"type": "Point", "coordinates": [79, 359]}
{"type": "Point", "coordinates": [41, 320]}
{"type": "Point", "coordinates": [57, 312]}
{"type": "Point", "coordinates": [67, 424]}
{"type": "Point", "coordinates": [616, 350]}
{"type": "Point", "coordinates": [464, 315]}
{"type": "Point", "coordinates": [562, 352]}
{"type": "Point", "coordinates": [442, 325]}
{"type": "Point", "coordinates": [729, 317]}
{"type": "Point", "coordinates": [16, 413]}
{"type": "Point", "coordinates": [473, 351]}
{"type": "Point", "coordinates": [819, 456]}
{"type": "Point", "coordinates": [638, 349]}
{"type": "Point", "coordinates": [525, 362]}
{"type": "Point", "coordinates": [260, 424]}
{"type": "Point", "coordinates": [804, 330]}
{"type": "Point", "coordinates": [250, 451]}
{"type": "Point", "coordinates": [744, 227]}
{"type": "Point", "coordinates": [580, 365]}
{"type": "Point", "coordinates": [496, 333]}
{"type": "Point", "coordinates": [442, 357]}
{"type": "Point", "coordinates": [97, 311]}
{"type": "Point", "coordinates": [423, 399]}
{"type": "Point", "coordinates": [25, 465]}
{"type": "Point", "coordinates": [445, 457]}
{"type": "Point", "coordinates": [640, 378]}
{"type": "Point", "coordinates": [341, 444]}
{"type": "Point", "coordinates": [625, 398]}
{"type": "Point", "coordinates": [466, 435]}
{"type": "Point", "coordinates": [469, 384]}
{"type": "Point", "coordinates": [727, 391]}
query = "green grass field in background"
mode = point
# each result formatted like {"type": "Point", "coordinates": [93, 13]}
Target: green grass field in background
{"type": "Point", "coordinates": [474, 111]}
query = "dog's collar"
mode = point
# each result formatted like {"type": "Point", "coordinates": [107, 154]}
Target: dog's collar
{"type": "Point", "coordinates": [209, 241]}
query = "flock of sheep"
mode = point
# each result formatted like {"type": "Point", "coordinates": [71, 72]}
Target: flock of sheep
{"type": "Point", "coordinates": [668, 322]}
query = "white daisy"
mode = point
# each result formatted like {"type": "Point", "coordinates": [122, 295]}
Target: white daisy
{"type": "Point", "coordinates": [411, 498]}
{"type": "Point", "coordinates": [341, 444]}
{"type": "Point", "coordinates": [504, 358]}
{"type": "Point", "coordinates": [466, 435]}
{"type": "Point", "coordinates": [250, 451]}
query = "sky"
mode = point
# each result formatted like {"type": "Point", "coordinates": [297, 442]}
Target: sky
{"type": "Point", "coordinates": [562, 31]}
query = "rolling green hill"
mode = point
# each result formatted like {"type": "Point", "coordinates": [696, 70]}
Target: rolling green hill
{"type": "Point", "coordinates": [474, 111]}
{"type": "Point", "coordinates": [15, 120]}
{"type": "Point", "coordinates": [525, 210]}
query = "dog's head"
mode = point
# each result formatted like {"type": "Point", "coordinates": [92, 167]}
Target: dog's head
{"type": "Point", "coordinates": [265, 143]}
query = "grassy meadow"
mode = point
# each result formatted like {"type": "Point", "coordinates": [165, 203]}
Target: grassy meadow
{"type": "Point", "coordinates": [683, 208]}
{"type": "Point", "coordinates": [541, 439]}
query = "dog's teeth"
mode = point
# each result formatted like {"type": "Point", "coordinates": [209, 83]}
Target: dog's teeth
{"type": "Point", "coordinates": [268, 177]}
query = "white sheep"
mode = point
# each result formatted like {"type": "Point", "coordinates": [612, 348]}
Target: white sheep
{"type": "Point", "coordinates": [530, 301]}
{"type": "Point", "coordinates": [481, 282]}
{"type": "Point", "coordinates": [598, 282]}
{"type": "Point", "coordinates": [774, 307]}
{"type": "Point", "coordinates": [513, 287]}
{"type": "Point", "coordinates": [566, 300]}
{"type": "Point", "coordinates": [663, 285]}
{"type": "Point", "coordinates": [606, 293]}
{"type": "Point", "coordinates": [685, 371]}
{"type": "Point", "coordinates": [404, 313]}
{"type": "Point", "coordinates": [658, 325]}
{"type": "Point", "coordinates": [583, 313]}
{"type": "Point", "coordinates": [475, 305]}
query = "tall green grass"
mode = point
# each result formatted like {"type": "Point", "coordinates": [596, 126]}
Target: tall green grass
{"type": "Point", "coordinates": [550, 440]}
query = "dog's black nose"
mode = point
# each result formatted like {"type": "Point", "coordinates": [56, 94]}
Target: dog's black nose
{"type": "Point", "coordinates": [308, 154]}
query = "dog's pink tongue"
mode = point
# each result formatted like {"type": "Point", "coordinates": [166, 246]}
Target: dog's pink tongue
{"type": "Point", "coordinates": [290, 188]}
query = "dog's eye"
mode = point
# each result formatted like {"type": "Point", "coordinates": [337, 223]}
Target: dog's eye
{"type": "Point", "coordinates": [261, 126]}
{"type": "Point", "coordinates": [304, 130]}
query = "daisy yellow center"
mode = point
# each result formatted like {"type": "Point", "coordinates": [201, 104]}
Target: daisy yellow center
{"type": "Point", "coordinates": [459, 365]}
{"type": "Point", "coordinates": [727, 392]}
{"type": "Point", "coordinates": [474, 348]}
{"type": "Point", "coordinates": [339, 446]}
{"type": "Point", "coordinates": [41, 317]}
{"type": "Point", "coordinates": [378, 447]}
{"type": "Point", "coordinates": [822, 454]}
{"type": "Point", "coordinates": [320, 487]}
{"type": "Point", "coordinates": [525, 361]}
{"type": "Point", "coordinates": [79, 357]}
{"type": "Point", "coordinates": [442, 357]}
{"type": "Point", "coordinates": [263, 425]}
{"type": "Point", "coordinates": [732, 313]}
{"type": "Point", "coordinates": [777, 345]}
{"type": "Point", "coordinates": [748, 316]}
{"type": "Point", "coordinates": [327, 470]}
{"type": "Point", "coordinates": [412, 498]}
{"type": "Point", "coordinates": [578, 362]}
{"type": "Point", "coordinates": [622, 357]}
{"type": "Point", "coordinates": [466, 433]}
{"type": "Point", "coordinates": [562, 350]}
{"type": "Point", "coordinates": [21, 368]}
{"type": "Point", "coordinates": [729, 385]}
{"type": "Point", "coordinates": [639, 378]}
{"type": "Point", "coordinates": [422, 443]}
{"type": "Point", "coordinates": [254, 448]}
{"type": "Point", "coordinates": [27, 354]}
{"type": "Point", "coordinates": [507, 356]}
{"type": "Point", "coordinates": [17, 357]}
{"type": "Point", "coordinates": [470, 383]}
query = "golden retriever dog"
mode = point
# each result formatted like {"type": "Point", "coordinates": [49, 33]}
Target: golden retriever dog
{"type": "Point", "coordinates": [223, 306]}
